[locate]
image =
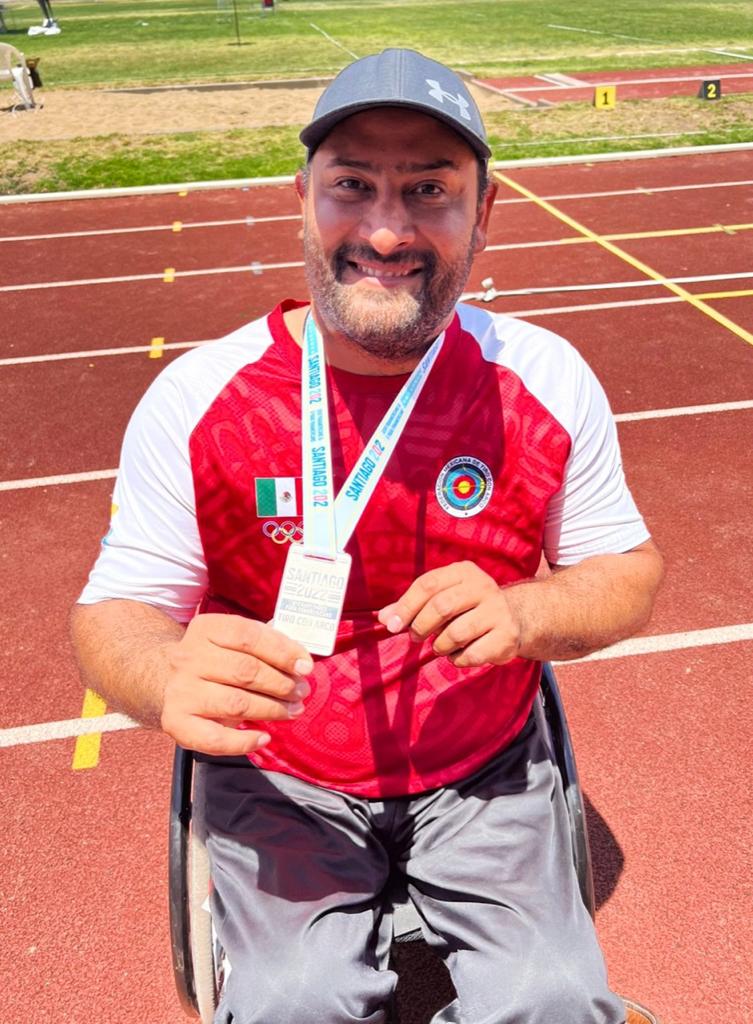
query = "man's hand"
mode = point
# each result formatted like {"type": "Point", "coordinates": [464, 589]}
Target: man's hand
{"type": "Point", "coordinates": [576, 610]}
{"type": "Point", "coordinates": [465, 611]}
{"type": "Point", "coordinates": [227, 670]}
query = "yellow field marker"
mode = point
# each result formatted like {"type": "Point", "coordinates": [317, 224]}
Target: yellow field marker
{"type": "Point", "coordinates": [711, 89]}
{"type": "Point", "coordinates": [169, 275]}
{"type": "Point", "coordinates": [183, 194]}
{"type": "Point", "coordinates": [86, 754]}
{"type": "Point", "coordinates": [605, 97]}
{"type": "Point", "coordinates": [638, 265]}
{"type": "Point", "coordinates": [177, 226]}
{"type": "Point", "coordinates": [155, 348]}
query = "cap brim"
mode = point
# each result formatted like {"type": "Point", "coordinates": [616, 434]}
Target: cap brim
{"type": "Point", "coordinates": [316, 132]}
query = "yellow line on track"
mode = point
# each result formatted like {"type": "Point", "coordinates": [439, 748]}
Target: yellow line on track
{"type": "Point", "coordinates": [726, 295]}
{"type": "Point", "coordinates": [712, 229]}
{"type": "Point", "coordinates": [638, 265]}
{"type": "Point", "coordinates": [86, 753]}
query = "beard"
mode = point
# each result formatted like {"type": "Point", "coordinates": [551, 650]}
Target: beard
{"type": "Point", "coordinates": [394, 323]}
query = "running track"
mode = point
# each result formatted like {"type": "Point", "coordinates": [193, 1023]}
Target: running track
{"type": "Point", "coordinates": [647, 266]}
{"type": "Point", "coordinates": [648, 83]}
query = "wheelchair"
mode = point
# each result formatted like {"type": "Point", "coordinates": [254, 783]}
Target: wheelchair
{"type": "Point", "coordinates": [198, 960]}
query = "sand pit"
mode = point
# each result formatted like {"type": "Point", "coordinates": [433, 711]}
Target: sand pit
{"type": "Point", "coordinates": [69, 114]}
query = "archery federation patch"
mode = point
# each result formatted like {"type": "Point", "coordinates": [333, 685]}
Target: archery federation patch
{"type": "Point", "coordinates": [464, 487]}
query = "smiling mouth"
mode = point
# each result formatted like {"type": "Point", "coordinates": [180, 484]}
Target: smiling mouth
{"type": "Point", "coordinates": [387, 274]}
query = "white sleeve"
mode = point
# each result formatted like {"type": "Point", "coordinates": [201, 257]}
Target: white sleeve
{"type": "Point", "coordinates": [153, 551]}
{"type": "Point", "coordinates": [593, 513]}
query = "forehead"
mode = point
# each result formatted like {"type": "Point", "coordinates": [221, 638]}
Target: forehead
{"type": "Point", "coordinates": [395, 137]}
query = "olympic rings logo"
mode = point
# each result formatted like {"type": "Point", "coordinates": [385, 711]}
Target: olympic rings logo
{"type": "Point", "coordinates": [283, 533]}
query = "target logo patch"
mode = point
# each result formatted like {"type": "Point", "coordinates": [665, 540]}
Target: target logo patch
{"type": "Point", "coordinates": [464, 487]}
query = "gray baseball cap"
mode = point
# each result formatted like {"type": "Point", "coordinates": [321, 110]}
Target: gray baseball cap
{"type": "Point", "coordinates": [398, 78]}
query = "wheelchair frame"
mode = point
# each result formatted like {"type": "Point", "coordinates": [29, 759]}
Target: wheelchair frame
{"type": "Point", "coordinates": [196, 953]}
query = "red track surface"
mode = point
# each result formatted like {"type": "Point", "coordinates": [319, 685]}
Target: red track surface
{"type": "Point", "coordinates": [663, 739]}
{"type": "Point", "coordinates": [647, 83]}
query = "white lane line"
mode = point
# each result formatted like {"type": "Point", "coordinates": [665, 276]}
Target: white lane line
{"type": "Point", "coordinates": [594, 307]}
{"type": "Point", "coordinates": [481, 296]}
{"type": "Point", "coordinates": [560, 80]}
{"type": "Point", "coordinates": [646, 39]}
{"type": "Point", "coordinates": [287, 179]}
{"type": "Point", "coordinates": [616, 80]}
{"type": "Point", "coordinates": [590, 307]}
{"type": "Point", "coordinates": [696, 279]}
{"type": "Point", "coordinates": [67, 729]}
{"type": "Point", "coordinates": [647, 190]}
{"type": "Point", "coordinates": [639, 645]}
{"type": "Point", "coordinates": [607, 286]}
{"type": "Point", "coordinates": [643, 645]}
{"type": "Point", "coordinates": [259, 268]}
{"type": "Point", "coordinates": [681, 410]}
{"type": "Point", "coordinates": [251, 221]}
{"type": "Point", "coordinates": [611, 138]}
{"type": "Point", "coordinates": [52, 481]}
{"type": "Point", "coordinates": [95, 352]}
{"type": "Point", "coordinates": [185, 226]}
{"type": "Point", "coordinates": [624, 417]}
{"type": "Point", "coordinates": [247, 268]}
{"type": "Point", "coordinates": [333, 41]}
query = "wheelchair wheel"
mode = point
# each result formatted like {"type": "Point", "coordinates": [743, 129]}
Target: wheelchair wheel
{"type": "Point", "coordinates": [199, 962]}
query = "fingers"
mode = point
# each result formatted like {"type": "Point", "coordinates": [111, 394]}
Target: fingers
{"type": "Point", "coordinates": [234, 669]}
{"type": "Point", "coordinates": [437, 597]}
{"type": "Point", "coordinates": [243, 653]}
{"type": "Point", "coordinates": [191, 706]}
{"type": "Point", "coordinates": [230, 704]}
{"type": "Point", "coordinates": [248, 636]}
{"type": "Point", "coordinates": [216, 739]}
{"type": "Point", "coordinates": [463, 609]}
{"type": "Point", "coordinates": [225, 671]}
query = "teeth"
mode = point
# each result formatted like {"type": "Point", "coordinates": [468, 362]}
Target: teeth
{"type": "Point", "coordinates": [373, 272]}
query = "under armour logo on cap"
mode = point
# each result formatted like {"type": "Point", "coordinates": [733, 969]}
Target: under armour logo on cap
{"type": "Point", "coordinates": [436, 90]}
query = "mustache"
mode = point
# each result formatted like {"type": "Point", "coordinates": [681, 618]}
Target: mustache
{"type": "Point", "coordinates": [358, 253]}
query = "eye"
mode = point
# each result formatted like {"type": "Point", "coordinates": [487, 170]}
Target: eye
{"type": "Point", "coordinates": [351, 185]}
{"type": "Point", "coordinates": [428, 188]}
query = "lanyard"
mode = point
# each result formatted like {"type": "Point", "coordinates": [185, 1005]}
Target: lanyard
{"type": "Point", "coordinates": [329, 522]}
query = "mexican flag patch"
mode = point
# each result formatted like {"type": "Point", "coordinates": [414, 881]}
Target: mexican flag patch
{"type": "Point", "coordinates": [278, 496]}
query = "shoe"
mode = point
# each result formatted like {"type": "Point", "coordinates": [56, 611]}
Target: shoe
{"type": "Point", "coordinates": [52, 30]}
{"type": "Point", "coordinates": [637, 1014]}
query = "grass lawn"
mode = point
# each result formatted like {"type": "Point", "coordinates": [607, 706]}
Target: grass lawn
{"type": "Point", "coordinates": [120, 160]}
{"type": "Point", "coordinates": [117, 42]}
{"type": "Point", "coordinates": [111, 43]}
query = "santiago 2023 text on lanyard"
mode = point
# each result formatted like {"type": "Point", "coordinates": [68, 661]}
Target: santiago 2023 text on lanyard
{"type": "Point", "coordinates": [315, 578]}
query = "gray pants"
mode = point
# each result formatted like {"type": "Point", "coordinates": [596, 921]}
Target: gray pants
{"type": "Point", "coordinates": [300, 872]}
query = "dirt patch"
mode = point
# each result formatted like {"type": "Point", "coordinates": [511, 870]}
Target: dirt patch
{"type": "Point", "coordinates": [69, 114]}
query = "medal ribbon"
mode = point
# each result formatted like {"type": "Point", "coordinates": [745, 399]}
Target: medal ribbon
{"type": "Point", "coordinates": [329, 523]}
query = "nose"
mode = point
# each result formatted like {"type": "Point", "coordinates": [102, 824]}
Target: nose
{"type": "Point", "coordinates": [387, 226]}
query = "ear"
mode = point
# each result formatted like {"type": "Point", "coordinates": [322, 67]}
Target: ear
{"type": "Point", "coordinates": [482, 218]}
{"type": "Point", "coordinates": [300, 186]}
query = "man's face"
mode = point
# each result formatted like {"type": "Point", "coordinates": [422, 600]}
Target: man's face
{"type": "Point", "coordinates": [392, 221]}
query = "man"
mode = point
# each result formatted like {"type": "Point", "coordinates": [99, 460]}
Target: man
{"type": "Point", "coordinates": [460, 446]}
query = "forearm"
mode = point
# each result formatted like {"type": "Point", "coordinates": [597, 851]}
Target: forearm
{"type": "Point", "coordinates": [121, 649]}
{"type": "Point", "coordinates": [585, 607]}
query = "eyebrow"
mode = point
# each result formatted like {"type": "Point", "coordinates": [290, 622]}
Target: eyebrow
{"type": "Point", "coordinates": [404, 168]}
